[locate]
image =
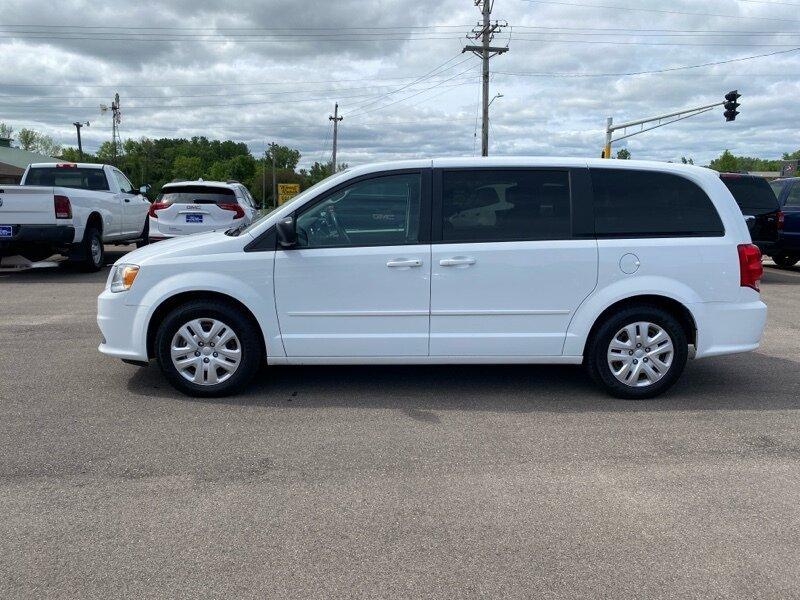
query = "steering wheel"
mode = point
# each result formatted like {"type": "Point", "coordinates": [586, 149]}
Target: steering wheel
{"type": "Point", "coordinates": [340, 231]}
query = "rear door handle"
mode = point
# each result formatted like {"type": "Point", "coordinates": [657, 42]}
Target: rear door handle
{"type": "Point", "coordinates": [457, 261]}
{"type": "Point", "coordinates": [127, 199]}
{"type": "Point", "coordinates": [404, 262]}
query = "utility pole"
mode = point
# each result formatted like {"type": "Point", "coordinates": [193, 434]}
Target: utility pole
{"type": "Point", "coordinates": [264, 180]}
{"type": "Point", "coordinates": [335, 118]}
{"type": "Point", "coordinates": [78, 126]}
{"type": "Point", "coordinates": [485, 33]}
{"type": "Point", "coordinates": [274, 185]}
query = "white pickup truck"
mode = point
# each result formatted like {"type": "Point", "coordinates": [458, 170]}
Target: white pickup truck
{"type": "Point", "coordinates": [71, 209]}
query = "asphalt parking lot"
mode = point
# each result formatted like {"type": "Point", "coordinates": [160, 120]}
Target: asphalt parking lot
{"type": "Point", "coordinates": [446, 482]}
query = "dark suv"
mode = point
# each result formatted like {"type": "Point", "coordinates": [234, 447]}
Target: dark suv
{"type": "Point", "coordinates": [760, 208]}
{"type": "Point", "coordinates": [788, 192]}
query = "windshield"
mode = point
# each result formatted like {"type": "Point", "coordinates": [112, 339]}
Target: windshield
{"type": "Point", "coordinates": [753, 194]}
{"type": "Point", "coordinates": [82, 178]}
{"type": "Point", "coordinates": [304, 194]}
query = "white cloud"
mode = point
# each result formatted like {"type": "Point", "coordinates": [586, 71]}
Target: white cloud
{"type": "Point", "coordinates": [197, 75]}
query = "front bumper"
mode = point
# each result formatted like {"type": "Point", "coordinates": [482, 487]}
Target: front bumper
{"type": "Point", "coordinates": [122, 326]}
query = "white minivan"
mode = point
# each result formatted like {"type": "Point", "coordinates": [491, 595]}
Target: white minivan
{"type": "Point", "coordinates": [622, 266]}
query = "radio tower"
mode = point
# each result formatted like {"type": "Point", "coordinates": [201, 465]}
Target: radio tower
{"type": "Point", "coordinates": [116, 119]}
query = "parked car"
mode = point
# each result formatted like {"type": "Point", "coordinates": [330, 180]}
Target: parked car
{"type": "Point", "coordinates": [787, 253]}
{"type": "Point", "coordinates": [185, 207]}
{"type": "Point", "coordinates": [760, 208]}
{"type": "Point", "coordinates": [619, 265]}
{"type": "Point", "coordinates": [71, 209]}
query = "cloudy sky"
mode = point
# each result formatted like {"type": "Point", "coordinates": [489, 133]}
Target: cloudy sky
{"type": "Point", "coordinates": [258, 71]}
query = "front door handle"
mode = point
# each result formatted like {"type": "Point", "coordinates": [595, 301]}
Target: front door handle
{"type": "Point", "coordinates": [399, 263]}
{"type": "Point", "coordinates": [457, 261]}
{"type": "Point", "coordinates": [127, 199]}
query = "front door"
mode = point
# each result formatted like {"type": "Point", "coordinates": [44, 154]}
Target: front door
{"type": "Point", "coordinates": [358, 282]}
{"type": "Point", "coordinates": [507, 271]}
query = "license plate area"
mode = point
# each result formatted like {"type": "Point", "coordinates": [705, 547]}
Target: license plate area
{"type": "Point", "coordinates": [194, 218]}
{"type": "Point", "coordinates": [6, 231]}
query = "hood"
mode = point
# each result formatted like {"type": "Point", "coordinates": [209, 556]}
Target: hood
{"type": "Point", "coordinates": [212, 242]}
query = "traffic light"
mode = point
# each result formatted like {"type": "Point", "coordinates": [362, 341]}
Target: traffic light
{"type": "Point", "coordinates": [731, 105]}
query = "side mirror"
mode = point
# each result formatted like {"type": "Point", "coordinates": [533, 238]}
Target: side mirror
{"type": "Point", "coordinates": [143, 189]}
{"type": "Point", "coordinates": [287, 233]}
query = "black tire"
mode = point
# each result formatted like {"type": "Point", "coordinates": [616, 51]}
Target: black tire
{"type": "Point", "coordinates": [145, 234]}
{"type": "Point", "coordinates": [92, 261]}
{"type": "Point", "coordinates": [786, 261]}
{"type": "Point", "coordinates": [596, 361]}
{"type": "Point", "coordinates": [244, 329]}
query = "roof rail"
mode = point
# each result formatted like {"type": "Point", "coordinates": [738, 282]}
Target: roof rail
{"type": "Point", "coordinates": [233, 181]}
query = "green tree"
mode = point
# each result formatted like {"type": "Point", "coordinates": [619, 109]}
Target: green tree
{"type": "Point", "coordinates": [34, 141]}
{"type": "Point", "coordinates": [284, 157]}
{"type": "Point", "coordinates": [623, 154]}
{"type": "Point", "coordinates": [187, 167]}
{"type": "Point", "coordinates": [726, 163]}
{"type": "Point", "coordinates": [5, 130]}
{"type": "Point", "coordinates": [687, 161]}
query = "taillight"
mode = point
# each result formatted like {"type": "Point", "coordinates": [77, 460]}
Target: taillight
{"type": "Point", "coordinates": [750, 268]}
{"type": "Point", "coordinates": [780, 219]}
{"type": "Point", "coordinates": [62, 207]}
{"type": "Point", "coordinates": [234, 207]}
{"type": "Point", "coordinates": [157, 206]}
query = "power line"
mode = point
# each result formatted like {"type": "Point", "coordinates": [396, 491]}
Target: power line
{"type": "Point", "coordinates": [173, 28]}
{"type": "Point", "coordinates": [407, 97]}
{"type": "Point", "coordinates": [225, 95]}
{"type": "Point", "coordinates": [665, 70]}
{"type": "Point", "coordinates": [656, 10]}
{"type": "Point", "coordinates": [435, 71]}
{"type": "Point", "coordinates": [649, 43]}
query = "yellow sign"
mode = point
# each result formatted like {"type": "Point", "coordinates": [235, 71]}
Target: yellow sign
{"type": "Point", "coordinates": [287, 190]}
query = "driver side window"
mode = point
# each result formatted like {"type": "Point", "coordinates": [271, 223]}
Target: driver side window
{"type": "Point", "coordinates": [383, 211]}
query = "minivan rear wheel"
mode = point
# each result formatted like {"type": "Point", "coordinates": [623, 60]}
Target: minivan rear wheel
{"type": "Point", "coordinates": [208, 349]}
{"type": "Point", "coordinates": [637, 353]}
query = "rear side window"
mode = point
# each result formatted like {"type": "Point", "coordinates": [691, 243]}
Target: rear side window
{"type": "Point", "coordinates": [777, 187]}
{"type": "Point", "coordinates": [505, 205]}
{"type": "Point", "coordinates": [793, 199]}
{"type": "Point", "coordinates": [630, 203]}
{"type": "Point", "coordinates": [197, 194]}
{"type": "Point", "coordinates": [68, 177]}
{"type": "Point", "coordinates": [753, 194]}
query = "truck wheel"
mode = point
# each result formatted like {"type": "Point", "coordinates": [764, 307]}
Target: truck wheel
{"type": "Point", "coordinates": [92, 250]}
{"type": "Point", "coordinates": [208, 349]}
{"type": "Point", "coordinates": [786, 261]}
{"type": "Point", "coordinates": [145, 235]}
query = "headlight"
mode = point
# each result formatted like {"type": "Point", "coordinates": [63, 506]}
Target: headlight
{"type": "Point", "coordinates": [123, 277]}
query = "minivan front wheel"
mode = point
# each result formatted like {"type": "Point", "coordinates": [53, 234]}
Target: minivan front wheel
{"type": "Point", "coordinates": [208, 349]}
{"type": "Point", "coordinates": [638, 353]}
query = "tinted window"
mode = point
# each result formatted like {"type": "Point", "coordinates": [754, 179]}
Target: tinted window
{"type": "Point", "coordinates": [70, 177]}
{"type": "Point", "coordinates": [196, 194]}
{"type": "Point", "coordinates": [793, 199]}
{"type": "Point", "coordinates": [376, 212]}
{"type": "Point", "coordinates": [753, 194]}
{"type": "Point", "coordinates": [630, 203]}
{"type": "Point", "coordinates": [777, 186]}
{"type": "Point", "coordinates": [505, 205]}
